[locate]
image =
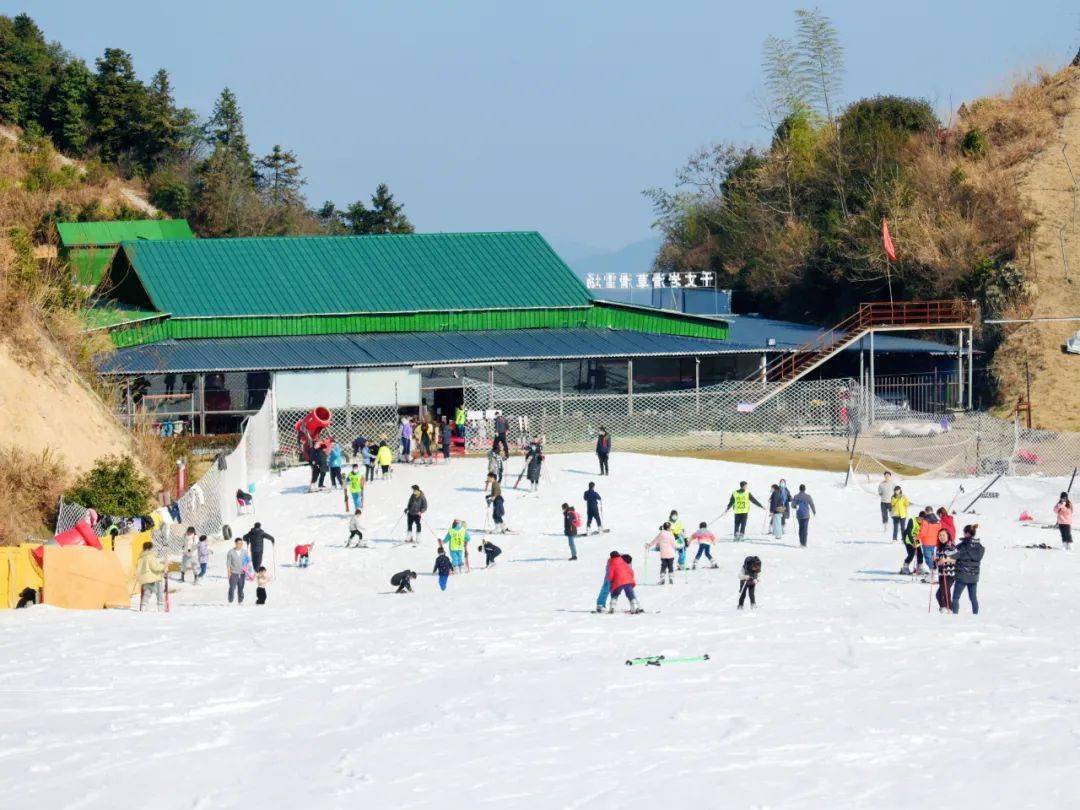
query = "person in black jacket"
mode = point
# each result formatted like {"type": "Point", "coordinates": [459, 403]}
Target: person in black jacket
{"type": "Point", "coordinates": [603, 449]}
{"type": "Point", "coordinates": [501, 428]}
{"type": "Point", "coordinates": [570, 528]}
{"type": "Point", "coordinates": [969, 554]}
{"type": "Point", "coordinates": [491, 551]}
{"type": "Point", "coordinates": [255, 539]}
{"type": "Point", "coordinates": [402, 580]}
{"type": "Point", "coordinates": [748, 580]}
{"type": "Point", "coordinates": [443, 567]}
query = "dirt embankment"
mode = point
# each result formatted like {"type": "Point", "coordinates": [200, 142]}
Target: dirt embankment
{"type": "Point", "coordinates": [1051, 182]}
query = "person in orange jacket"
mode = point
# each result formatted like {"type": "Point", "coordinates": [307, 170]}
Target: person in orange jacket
{"type": "Point", "coordinates": [928, 529]}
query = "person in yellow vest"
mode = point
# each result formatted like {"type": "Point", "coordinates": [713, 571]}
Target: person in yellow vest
{"type": "Point", "coordinates": [354, 482]}
{"type": "Point", "coordinates": [459, 420]}
{"type": "Point", "coordinates": [148, 573]}
{"type": "Point", "coordinates": [740, 501]}
{"type": "Point", "coordinates": [457, 541]}
{"type": "Point", "coordinates": [898, 508]}
{"type": "Point", "coordinates": [680, 539]}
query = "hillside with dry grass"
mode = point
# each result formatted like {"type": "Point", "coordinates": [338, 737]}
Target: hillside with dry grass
{"type": "Point", "coordinates": [1049, 180]}
{"type": "Point", "coordinates": [54, 408]}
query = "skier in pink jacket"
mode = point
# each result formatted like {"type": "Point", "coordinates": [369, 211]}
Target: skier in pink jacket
{"type": "Point", "coordinates": [665, 541]}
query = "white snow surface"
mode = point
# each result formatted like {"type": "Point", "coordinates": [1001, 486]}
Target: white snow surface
{"type": "Point", "coordinates": [841, 690]}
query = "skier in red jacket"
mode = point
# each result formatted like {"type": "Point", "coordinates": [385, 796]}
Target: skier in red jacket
{"type": "Point", "coordinates": [621, 576]}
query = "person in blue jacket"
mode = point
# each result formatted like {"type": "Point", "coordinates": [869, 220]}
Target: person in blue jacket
{"type": "Point", "coordinates": [804, 507]}
{"type": "Point", "coordinates": [592, 507]}
{"type": "Point", "coordinates": [336, 459]}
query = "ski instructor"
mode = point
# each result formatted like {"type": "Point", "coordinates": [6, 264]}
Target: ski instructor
{"type": "Point", "coordinates": [740, 501]}
{"type": "Point", "coordinates": [255, 539]}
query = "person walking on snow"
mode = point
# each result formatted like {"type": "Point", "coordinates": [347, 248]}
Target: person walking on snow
{"type": "Point", "coordinates": [443, 567]}
{"type": "Point", "coordinates": [203, 548]}
{"type": "Point", "coordinates": [255, 539]}
{"type": "Point", "coordinates": [354, 482]}
{"type": "Point", "coordinates": [592, 508]}
{"type": "Point", "coordinates": [446, 438]}
{"type": "Point", "coordinates": [681, 543]}
{"type": "Point", "coordinates": [885, 493]}
{"type": "Point", "coordinates": [603, 449]}
{"type": "Point", "coordinates": [502, 427]}
{"type": "Point", "coordinates": [149, 573]}
{"type": "Point", "coordinates": [665, 542]}
{"type": "Point", "coordinates": [414, 510]}
{"type": "Point", "coordinates": [740, 501]}
{"type": "Point", "coordinates": [571, 524]}
{"type": "Point", "coordinates": [384, 457]}
{"type": "Point", "coordinates": [928, 529]}
{"type": "Point", "coordinates": [336, 459]}
{"type": "Point", "coordinates": [402, 580]}
{"type": "Point", "coordinates": [704, 538]}
{"type": "Point", "coordinates": [804, 507]}
{"type": "Point", "coordinates": [605, 586]}
{"type": "Point", "coordinates": [534, 460]}
{"type": "Point", "coordinates": [946, 567]}
{"type": "Point", "coordinates": [367, 457]}
{"type": "Point", "coordinates": [457, 540]}
{"type": "Point", "coordinates": [495, 464]}
{"type": "Point", "coordinates": [898, 509]}
{"type": "Point", "coordinates": [235, 565]}
{"type": "Point", "coordinates": [1063, 512]}
{"type": "Point", "coordinates": [356, 530]}
{"type": "Point", "coordinates": [189, 558]}
{"type": "Point", "coordinates": [911, 545]}
{"type": "Point", "coordinates": [621, 574]}
{"type": "Point", "coordinates": [748, 580]}
{"type": "Point", "coordinates": [495, 501]}
{"type": "Point", "coordinates": [786, 493]}
{"type": "Point", "coordinates": [776, 511]}
{"type": "Point", "coordinates": [405, 435]}
{"type": "Point", "coordinates": [969, 554]}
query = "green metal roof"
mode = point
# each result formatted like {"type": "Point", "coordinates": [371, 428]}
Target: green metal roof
{"type": "Point", "coordinates": [99, 234]}
{"type": "Point", "coordinates": [334, 275]}
{"type": "Point", "coordinates": [90, 263]}
{"type": "Point", "coordinates": [106, 316]}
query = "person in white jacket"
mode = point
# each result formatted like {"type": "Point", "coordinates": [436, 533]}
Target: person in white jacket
{"type": "Point", "coordinates": [357, 531]}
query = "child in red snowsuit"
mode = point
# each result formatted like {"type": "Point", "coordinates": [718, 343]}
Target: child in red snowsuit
{"type": "Point", "coordinates": [302, 553]}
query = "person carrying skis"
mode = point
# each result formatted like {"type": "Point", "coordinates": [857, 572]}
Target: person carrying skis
{"type": "Point", "coordinates": [354, 482]}
{"type": "Point", "coordinates": [776, 511]}
{"type": "Point", "coordinates": [898, 509]}
{"type": "Point", "coordinates": [335, 458]}
{"type": "Point", "coordinates": [804, 507]}
{"type": "Point", "coordinates": [490, 552]}
{"type": "Point", "coordinates": [665, 542]}
{"type": "Point", "coordinates": [621, 574]}
{"type": "Point", "coordinates": [496, 502]}
{"type": "Point", "coordinates": [534, 459]}
{"type": "Point", "coordinates": [911, 545]}
{"type": "Point", "coordinates": [592, 508]}
{"type": "Point", "coordinates": [681, 542]}
{"type": "Point", "coordinates": [356, 530]}
{"type": "Point", "coordinates": [254, 539]}
{"type": "Point", "coordinates": [149, 573]}
{"type": "Point", "coordinates": [203, 548]}
{"type": "Point", "coordinates": [457, 540]}
{"type": "Point", "coordinates": [502, 427]}
{"type": "Point", "coordinates": [414, 510]}
{"type": "Point", "coordinates": [946, 568]}
{"type": "Point", "coordinates": [402, 580]}
{"type": "Point", "coordinates": [748, 580]}
{"type": "Point", "coordinates": [969, 554]}
{"type": "Point", "coordinates": [495, 464]}
{"type": "Point", "coordinates": [885, 493]}
{"type": "Point", "coordinates": [189, 558]}
{"type": "Point", "coordinates": [1063, 513]}
{"type": "Point", "coordinates": [704, 538]}
{"type": "Point", "coordinates": [571, 524]}
{"type": "Point", "coordinates": [740, 501]}
{"type": "Point", "coordinates": [384, 457]}
{"type": "Point", "coordinates": [236, 570]}
{"type": "Point", "coordinates": [603, 449]}
{"type": "Point", "coordinates": [262, 579]}
{"type": "Point", "coordinates": [302, 554]}
{"type": "Point", "coordinates": [443, 567]}
{"type": "Point", "coordinates": [605, 586]}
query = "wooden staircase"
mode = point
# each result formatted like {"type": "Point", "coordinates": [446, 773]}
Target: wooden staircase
{"type": "Point", "coordinates": [901, 316]}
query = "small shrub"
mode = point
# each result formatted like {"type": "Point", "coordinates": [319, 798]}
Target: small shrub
{"type": "Point", "coordinates": [113, 487]}
{"type": "Point", "coordinates": [96, 173]}
{"type": "Point", "coordinates": [31, 484]}
{"type": "Point", "coordinates": [975, 144]}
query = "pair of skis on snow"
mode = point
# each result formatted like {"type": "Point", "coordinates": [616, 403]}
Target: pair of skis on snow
{"type": "Point", "coordinates": [660, 660]}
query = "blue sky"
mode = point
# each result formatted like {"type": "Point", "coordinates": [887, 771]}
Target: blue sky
{"type": "Point", "coordinates": [549, 115]}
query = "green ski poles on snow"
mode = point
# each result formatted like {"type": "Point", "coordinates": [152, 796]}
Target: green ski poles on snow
{"type": "Point", "coordinates": [659, 660]}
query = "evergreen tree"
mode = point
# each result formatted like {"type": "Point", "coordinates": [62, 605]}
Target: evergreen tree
{"type": "Point", "coordinates": [68, 108]}
{"type": "Point", "coordinates": [118, 105]}
{"type": "Point", "coordinates": [224, 131]}
{"type": "Point", "coordinates": [26, 70]}
{"type": "Point", "coordinates": [166, 129]}
{"type": "Point", "coordinates": [280, 179]}
{"type": "Point", "coordinates": [385, 215]}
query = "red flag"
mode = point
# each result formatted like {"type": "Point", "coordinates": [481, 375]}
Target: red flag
{"type": "Point", "coordinates": [886, 238]}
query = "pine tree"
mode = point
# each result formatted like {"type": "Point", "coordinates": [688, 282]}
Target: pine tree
{"type": "Point", "coordinates": [224, 131]}
{"type": "Point", "coordinates": [386, 215]}
{"type": "Point", "coordinates": [68, 108]}
{"type": "Point", "coordinates": [26, 70]}
{"type": "Point", "coordinates": [280, 179]}
{"type": "Point", "coordinates": [118, 105]}
{"type": "Point", "coordinates": [166, 129]}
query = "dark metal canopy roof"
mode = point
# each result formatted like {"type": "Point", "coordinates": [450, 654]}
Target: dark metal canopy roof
{"type": "Point", "coordinates": [403, 349]}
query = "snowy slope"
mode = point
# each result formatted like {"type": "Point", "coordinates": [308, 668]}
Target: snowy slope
{"type": "Point", "coordinates": [840, 691]}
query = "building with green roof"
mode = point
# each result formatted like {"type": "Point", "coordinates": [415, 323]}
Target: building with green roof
{"type": "Point", "coordinates": [91, 246]}
{"type": "Point", "coordinates": [230, 315]}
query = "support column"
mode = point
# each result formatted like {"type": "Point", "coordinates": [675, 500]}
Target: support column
{"type": "Point", "coordinates": [491, 387]}
{"type": "Point", "coordinates": [959, 368]}
{"type": "Point", "coordinates": [201, 394]}
{"type": "Point", "coordinates": [630, 387]}
{"type": "Point", "coordinates": [697, 383]}
{"type": "Point", "coordinates": [971, 366]}
{"type": "Point", "coordinates": [862, 376]}
{"type": "Point", "coordinates": [561, 402]}
{"type": "Point", "coordinates": [348, 402]}
{"type": "Point", "coordinates": [873, 380]}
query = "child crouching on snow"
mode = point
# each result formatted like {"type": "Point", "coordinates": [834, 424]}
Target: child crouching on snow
{"type": "Point", "coordinates": [748, 580]}
{"type": "Point", "coordinates": [302, 553]}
